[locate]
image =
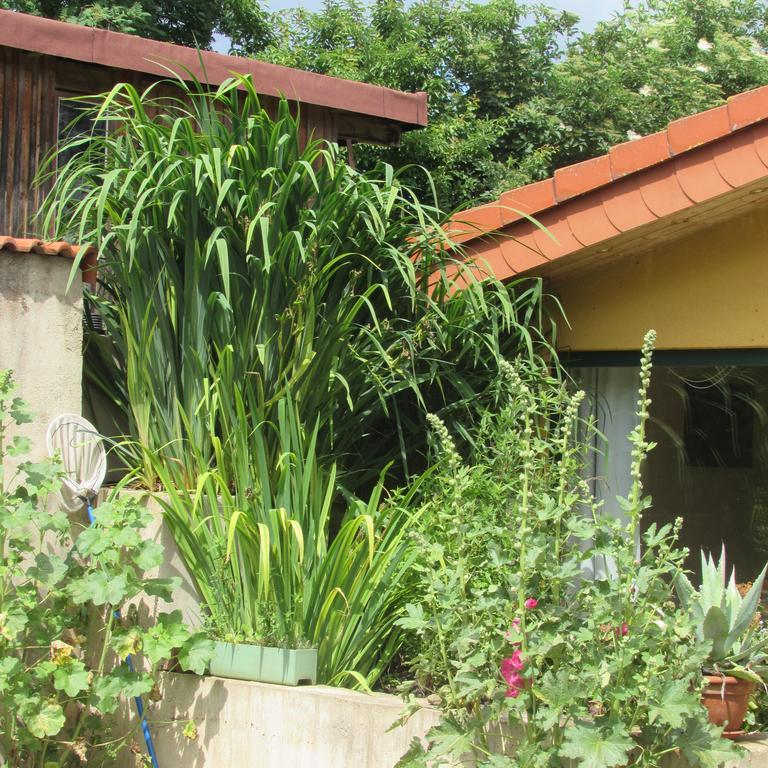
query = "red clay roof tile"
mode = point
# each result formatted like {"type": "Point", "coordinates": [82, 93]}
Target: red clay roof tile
{"type": "Point", "coordinates": [582, 177]}
{"type": "Point", "coordinates": [747, 108]}
{"type": "Point", "coordinates": [18, 245]}
{"type": "Point", "coordinates": [527, 200]}
{"type": "Point", "coordinates": [695, 130]}
{"type": "Point", "coordinates": [640, 153]}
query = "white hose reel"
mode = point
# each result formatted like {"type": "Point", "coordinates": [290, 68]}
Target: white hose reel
{"type": "Point", "coordinates": [80, 448]}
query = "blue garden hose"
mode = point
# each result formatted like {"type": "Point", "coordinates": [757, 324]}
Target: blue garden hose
{"type": "Point", "coordinates": [129, 663]}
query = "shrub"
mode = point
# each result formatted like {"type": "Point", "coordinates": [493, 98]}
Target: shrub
{"type": "Point", "coordinates": [522, 640]}
{"type": "Point", "coordinates": [61, 640]}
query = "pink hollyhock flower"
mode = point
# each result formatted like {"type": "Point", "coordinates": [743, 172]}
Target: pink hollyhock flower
{"type": "Point", "coordinates": [531, 602]}
{"type": "Point", "coordinates": [623, 630]}
{"type": "Point", "coordinates": [510, 671]}
{"type": "Point", "coordinates": [516, 623]}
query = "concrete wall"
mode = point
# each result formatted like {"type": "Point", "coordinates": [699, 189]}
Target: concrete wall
{"type": "Point", "coordinates": [41, 337]}
{"type": "Point", "coordinates": [705, 290]}
{"type": "Point", "coordinates": [255, 725]}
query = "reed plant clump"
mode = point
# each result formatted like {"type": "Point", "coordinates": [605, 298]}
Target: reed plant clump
{"type": "Point", "coordinates": [276, 325]}
{"type": "Point", "coordinates": [234, 254]}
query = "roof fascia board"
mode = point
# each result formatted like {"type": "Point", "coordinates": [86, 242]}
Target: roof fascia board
{"type": "Point", "coordinates": [137, 54]}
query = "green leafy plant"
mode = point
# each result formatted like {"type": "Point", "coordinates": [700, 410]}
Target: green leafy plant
{"type": "Point", "coordinates": [726, 620]}
{"type": "Point", "coordinates": [277, 326]}
{"type": "Point", "coordinates": [517, 90]}
{"type": "Point", "coordinates": [61, 640]}
{"type": "Point", "coordinates": [542, 633]}
{"type": "Point", "coordinates": [270, 568]}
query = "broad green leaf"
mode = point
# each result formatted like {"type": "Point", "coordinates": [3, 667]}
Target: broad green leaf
{"type": "Point", "coordinates": [10, 666]}
{"type": "Point", "coordinates": [449, 739]}
{"type": "Point", "coordinates": [105, 693]}
{"type": "Point", "coordinates": [674, 705]}
{"type": "Point", "coordinates": [47, 721]}
{"type": "Point", "coordinates": [19, 446]}
{"type": "Point", "coordinates": [168, 633]}
{"type": "Point", "coordinates": [13, 623]}
{"type": "Point", "coordinates": [701, 745]}
{"type": "Point", "coordinates": [72, 677]}
{"type": "Point", "coordinates": [48, 570]}
{"type": "Point", "coordinates": [162, 588]}
{"type": "Point", "coordinates": [148, 555]}
{"type": "Point", "coordinates": [20, 411]}
{"type": "Point", "coordinates": [195, 654]}
{"type": "Point", "coordinates": [596, 747]}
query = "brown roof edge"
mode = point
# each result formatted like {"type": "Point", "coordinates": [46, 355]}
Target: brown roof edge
{"type": "Point", "coordinates": [114, 49]}
{"type": "Point", "coordinates": [498, 238]}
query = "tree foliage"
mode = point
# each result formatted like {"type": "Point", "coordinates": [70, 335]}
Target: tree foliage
{"type": "Point", "coordinates": [516, 91]}
{"type": "Point", "coordinates": [192, 22]}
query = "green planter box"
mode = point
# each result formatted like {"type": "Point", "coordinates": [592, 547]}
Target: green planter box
{"type": "Point", "coordinates": [262, 664]}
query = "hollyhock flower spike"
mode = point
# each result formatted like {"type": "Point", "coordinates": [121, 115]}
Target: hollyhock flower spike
{"type": "Point", "coordinates": [531, 602]}
{"type": "Point", "coordinates": [510, 671]}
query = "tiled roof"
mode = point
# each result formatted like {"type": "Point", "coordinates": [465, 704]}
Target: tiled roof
{"type": "Point", "coordinates": [137, 54]}
{"type": "Point", "coordinates": [10, 244]}
{"type": "Point", "coordinates": [695, 159]}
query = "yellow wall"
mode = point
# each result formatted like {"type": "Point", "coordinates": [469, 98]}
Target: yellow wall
{"type": "Point", "coordinates": [708, 289]}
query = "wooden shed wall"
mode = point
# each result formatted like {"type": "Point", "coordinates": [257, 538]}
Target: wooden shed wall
{"type": "Point", "coordinates": [27, 130]}
{"type": "Point", "coordinates": [30, 86]}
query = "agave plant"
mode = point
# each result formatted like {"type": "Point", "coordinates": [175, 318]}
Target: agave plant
{"type": "Point", "coordinates": [726, 619]}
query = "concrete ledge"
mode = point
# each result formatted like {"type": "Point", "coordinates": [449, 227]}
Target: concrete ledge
{"type": "Point", "coordinates": [255, 725]}
{"type": "Point", "coordinates": [242, 724]}
{"type": "Point", "coordinates": [756, 756]}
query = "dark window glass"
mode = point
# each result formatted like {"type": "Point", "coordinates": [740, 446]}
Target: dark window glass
{"type": "Point", "coordinates": [718, 424]}
{"type": "Point", "coordinates": [75, 119]}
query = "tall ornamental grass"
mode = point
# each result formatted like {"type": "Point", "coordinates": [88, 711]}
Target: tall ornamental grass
{"type": "Point", "coordinates": [277, 325]}
{"type": "Point", "coordinates": [230, 252]}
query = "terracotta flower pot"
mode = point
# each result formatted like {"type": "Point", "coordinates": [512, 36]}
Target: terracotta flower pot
{"type": "Point", "coordinates": [727, 699]}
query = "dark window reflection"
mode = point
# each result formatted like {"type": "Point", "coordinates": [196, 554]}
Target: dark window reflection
{"type": "Point", "coordinates": [710, 466]}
